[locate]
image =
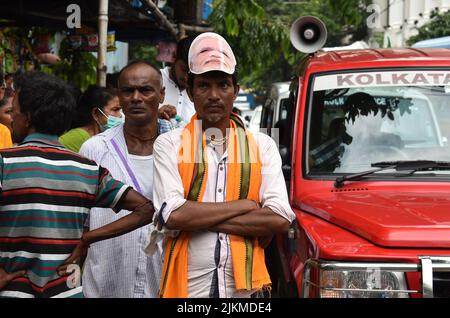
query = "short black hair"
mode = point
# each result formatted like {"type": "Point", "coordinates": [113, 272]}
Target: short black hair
{"type": "Point", "coordinates": [75, 90]}
{"type": "Point", "coordinates": [183, 49]}
{"type": "Point", "coordinates": [112, 80]}
{"type": "Point", "coordinates": [48, 99]}
{"type": "Point", "coordinates": [190, 81]}
{"type": "Point", "coordinates": [137, 61]}
{"type": "Point", "coordinates": [93, 97]}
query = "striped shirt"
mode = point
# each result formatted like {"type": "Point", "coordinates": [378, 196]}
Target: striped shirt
{"type": "Point", "coordinates": [46, 194]}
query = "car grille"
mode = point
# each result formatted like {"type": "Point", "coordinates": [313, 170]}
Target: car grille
{"type": "Point", "coordinates": [441, 284]}
{"type": "Point", "coordinates": [435, 276]}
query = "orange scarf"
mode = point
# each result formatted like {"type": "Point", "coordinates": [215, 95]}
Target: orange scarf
{"type": "Point", "coordinates": [243, 182]}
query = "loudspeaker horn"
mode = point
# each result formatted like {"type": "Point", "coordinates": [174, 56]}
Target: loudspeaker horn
{"type": "Point", "coordinates": [308, 34]}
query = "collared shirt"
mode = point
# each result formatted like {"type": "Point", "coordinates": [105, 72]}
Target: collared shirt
{"type": "Point", "coordinates": [176, 97]}
{"type": "Point", "coordinates": [210, 272]}
{"type": "Point", "coordinates": [119, 267]}
{"type": "Point", "coordinates": [46, 193]}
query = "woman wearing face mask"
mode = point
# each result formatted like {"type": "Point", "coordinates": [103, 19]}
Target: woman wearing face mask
{"type": "Point", "coordinates": [98, 109]}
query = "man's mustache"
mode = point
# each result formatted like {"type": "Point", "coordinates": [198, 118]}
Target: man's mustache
{"type": "Point", "coordinates": [215, 105]}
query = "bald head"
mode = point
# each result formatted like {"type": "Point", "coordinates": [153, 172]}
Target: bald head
{"type": "Point", "coordinates": [140, 66]}
{"type": "Point", "coordinates": [140, 93]}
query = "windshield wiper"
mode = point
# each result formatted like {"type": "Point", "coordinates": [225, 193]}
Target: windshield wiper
{"type": "Point", "coordinates": [408, 165]}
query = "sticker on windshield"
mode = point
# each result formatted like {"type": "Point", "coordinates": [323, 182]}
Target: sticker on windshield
{"type": "Point", "coordinates": [372, 79]}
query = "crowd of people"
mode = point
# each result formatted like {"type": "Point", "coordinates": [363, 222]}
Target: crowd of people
{"type": "Point", "coordinates": [153, 189]}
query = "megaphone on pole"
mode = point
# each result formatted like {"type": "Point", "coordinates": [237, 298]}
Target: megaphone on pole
{"type": "Point", "coordinates": [308, 34]}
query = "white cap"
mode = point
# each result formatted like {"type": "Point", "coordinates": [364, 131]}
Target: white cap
{"type": "Point", "coordinates": [210, 52]}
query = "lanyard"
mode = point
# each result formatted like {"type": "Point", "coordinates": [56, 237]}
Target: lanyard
{"type": "Point", "coordinates": [127, 167]}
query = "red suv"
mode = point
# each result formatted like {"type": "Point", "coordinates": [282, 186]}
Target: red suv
{"type": "Point", "coordinates": [367, 154]}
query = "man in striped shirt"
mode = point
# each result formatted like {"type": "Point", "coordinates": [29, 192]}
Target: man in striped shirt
{"type": "Point", "coordinates": [46, 194]}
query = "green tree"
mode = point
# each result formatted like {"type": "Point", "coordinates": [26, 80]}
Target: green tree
{"type": "Point", "coordinates": [439, 26]}
{"type": "Point", "coordinates": [76, 67]}
{"type": "Point", "coordinates": [143, 50]}
{"type": "Point", "coordinates": [257, 40]}
{"type": "Point", "coordinates": [258, 31]}
{"type": "Point", "coordinates": [16, 47]}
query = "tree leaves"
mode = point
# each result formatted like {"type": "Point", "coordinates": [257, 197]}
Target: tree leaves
{"type": "Point", "coordinates": [258, 32]}
{"type": "Point", "coordinates": [439, 26]}
{"type": "Point", "coordinates": [259, 39]}
{"type": "Point", "coordinates": [76, 67]}
{"type": "Point", "coordinates": [362, 104]}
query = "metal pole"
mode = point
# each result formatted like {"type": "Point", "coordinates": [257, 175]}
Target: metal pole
{"type": "Point", "coordinates": [102, 41]}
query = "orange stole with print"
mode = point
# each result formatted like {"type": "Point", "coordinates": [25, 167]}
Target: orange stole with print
{"type": "Point", "coordinates": [243, 182]}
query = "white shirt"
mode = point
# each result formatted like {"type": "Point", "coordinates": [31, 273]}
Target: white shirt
{"type": "Point", "coordinates": [175, 97]}
{"type": "Point", "coordinates": [119, 267]}
{"type": "Point", "coordinates": [144, 174]}
{"type": "Point", "coordinates": [168, 188]}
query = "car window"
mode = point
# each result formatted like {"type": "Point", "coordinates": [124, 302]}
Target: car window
{"type": "Point", "coordinates": [283, 112]}
{"type": "Point", "coordinates": [267, 113]}
{"type": "Point", "coordinates": [256, 119]}
{"type": "Point", "coordinates": [352, 126]}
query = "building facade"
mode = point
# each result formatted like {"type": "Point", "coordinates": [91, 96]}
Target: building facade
{"type": "Point", "coordinates": [398, 20]}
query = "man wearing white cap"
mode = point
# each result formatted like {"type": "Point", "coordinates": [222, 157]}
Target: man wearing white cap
{"type": "Point", "coordinates": [219, 190]}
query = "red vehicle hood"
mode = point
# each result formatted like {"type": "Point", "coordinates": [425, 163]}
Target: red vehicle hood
{"type": "Point", "coordinates": [388, 218]}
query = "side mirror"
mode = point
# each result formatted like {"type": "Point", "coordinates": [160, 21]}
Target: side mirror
{"type": "Point", "coordinates": [247, 118]}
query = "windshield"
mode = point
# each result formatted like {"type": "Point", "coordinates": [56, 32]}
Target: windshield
{"type": "Point", "coordinates": [361, 118]}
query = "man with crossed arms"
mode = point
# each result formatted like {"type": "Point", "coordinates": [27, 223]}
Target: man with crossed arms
{"type": "Point", "coordinates": [219, 190]}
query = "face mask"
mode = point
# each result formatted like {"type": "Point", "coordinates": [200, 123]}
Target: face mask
{"type": "Point", "coordinates": [112, 121]}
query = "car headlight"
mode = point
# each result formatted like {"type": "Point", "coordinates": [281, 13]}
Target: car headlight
{"type": "Point", "coordinates": [369, 283]}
